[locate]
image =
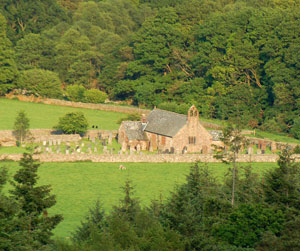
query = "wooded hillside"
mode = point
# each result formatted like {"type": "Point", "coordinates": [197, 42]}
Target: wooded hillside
{"type": "Point", "coordinates": [234, 59]}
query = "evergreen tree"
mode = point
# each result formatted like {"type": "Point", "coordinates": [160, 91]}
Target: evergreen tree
{"type": "Point", "coordinates": [282, 185]}
{"type": "Point", "coordinates": [33, 202]}
{"type": "Point", "coordinates": [21, 127]}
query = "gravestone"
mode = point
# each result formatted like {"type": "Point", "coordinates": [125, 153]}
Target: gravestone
{"type": "Point", "coordinates": [44, 142]}
{"type": "Point", "coordinates": [78, 149]}
{"type": "Point", "coordinates": [50, 142]}
{"type": "Point", "coordinates": [47, 149]}
{"type": "Point", "coordinates": [204, 149]}
{"type": "Point", "coordinates": [54, 142]}
{"type": "Point", "coordinates": [59, 142]}
{"type": "Point", "coordinates": [273, 147]}
{"type": "Point", "coordinates": [250, 150]}
{"type": "Point", "coordinates": [82, 144]}
{"type": "Point", "coordinates": [138, 148]}
{"type": "Point", "coordinates": [172, 150]}
{"type": "Point", "coordinates": [67, 151]}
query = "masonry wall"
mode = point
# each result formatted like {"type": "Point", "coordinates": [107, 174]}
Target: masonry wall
{"type": "Point", "coordinates": [152, 158]}
{"type": "Point", "coordinates": [39, 135]}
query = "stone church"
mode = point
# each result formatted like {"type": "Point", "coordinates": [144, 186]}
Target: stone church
{"type": "Point", "coordinates": [167, 132]}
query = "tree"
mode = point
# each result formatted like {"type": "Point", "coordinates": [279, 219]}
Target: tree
{"type": "Point", "coordinates": [8, 67]}
{"type": "Point", "coordinates": [21, 127]}
{"type": "Point", "coordinates": [233, 142]}
{"type": "Point", "coordinates": [75, 92]}
{"type": "Point", "coordinates": [94, 96]}
{"type": "Point", "coordinates": [41, 83]}
{"type": "Point", "coordinates": [282, 187]}
{"type": "Point", "coordinates": [72, 122]}
{"type": "Point", "coordinates": [33, 202]}
{"type": "Point", "coordinates": [94, 223]}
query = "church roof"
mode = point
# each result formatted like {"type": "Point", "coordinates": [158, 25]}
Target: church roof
{"type": "Point", "coordinates": [164, 122]}
{"type": "Point", "coordinates": [134, 130]}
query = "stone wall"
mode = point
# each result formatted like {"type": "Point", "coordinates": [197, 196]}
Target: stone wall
{"type": "Point", "coordinates": [104, 107]}
{"type": "Point", "coordinates": [39, 135]}
{"type": "Point", "coordinates": [152, 158]}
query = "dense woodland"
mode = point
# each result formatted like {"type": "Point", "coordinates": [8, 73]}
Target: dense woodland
{"type": "Point", "coordinates": [235, 59]}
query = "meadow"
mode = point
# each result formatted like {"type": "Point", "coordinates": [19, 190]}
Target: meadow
{"type": "Point", "coordinates": [78, 185]}
{"type": "Point", "coordinates": [46, 116]}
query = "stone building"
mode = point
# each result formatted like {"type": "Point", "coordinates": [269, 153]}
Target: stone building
{"type": "Point", "coordinates": [167, 132]}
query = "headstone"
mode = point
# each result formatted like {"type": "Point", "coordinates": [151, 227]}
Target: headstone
{"type": "Point", "coordinates": [82, 144]}
{"type": "Point", "coordinates": [273, 147]}
{"type": "Point", "coordinates": [47, 149]}
{"type": "Point", "coordinates": [172, 150]}
{"type": "Point", "coordinates": [50, 142]}
{"type": "Point", "coordinates": [110, 138]}
{"type": "Point", "coordinates": [54, 142]}
{"type": "Point", "coordinates": [124, 147]}
{"type": "Point", "coordinates": [44, 142]}
{"type": "Point", "coordinates": [59, 142]}
{"type": "Point", "coordinates": [250, 150]}
{"type": "Point", "coordinates": [138, 148]}
{"type": "Point", "coordinates": [67, 151]}
{"type": "Point", "coordinates": [78, 150]}
{"type": "Point", "coordinates": [204, 149]}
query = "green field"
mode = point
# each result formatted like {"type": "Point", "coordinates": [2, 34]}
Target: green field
{"type": "Point", "coordinates": [46, 116]}
{"type": "Point", "coordinates": [78, 185]}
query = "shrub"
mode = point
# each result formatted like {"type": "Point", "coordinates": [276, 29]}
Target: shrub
{"type": "Point", "coordinates": [130, 117]}
{"type": "Point", "coordinates": [296, 128]}
{"type": "Point", "coordinates": [75, 92]}
{"type": "Point", "coordinates": [73, 122]}
{"type": "Point", "coordinates": [41, 83]}
{"type": "Point", "coordinates": [94, 96]}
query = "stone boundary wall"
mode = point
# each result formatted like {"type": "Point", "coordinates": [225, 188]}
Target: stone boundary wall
{"type": "Point", "coordinates": [39, 135]}
{"type": "Point", "coordinates": [104, 107]}
{"type": "Point", "coordinates": [150, 158]}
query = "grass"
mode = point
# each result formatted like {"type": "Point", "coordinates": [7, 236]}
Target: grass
{"type": "Point", "coordinates": [275, 137]}
{"type": "Point", "coordinates": [46, 116]}
{"type": "Point", "coordinates": [78, 185]}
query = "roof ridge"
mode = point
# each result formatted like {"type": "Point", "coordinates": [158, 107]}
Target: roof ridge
{"type": "Point", "coordinates": [169, 112]}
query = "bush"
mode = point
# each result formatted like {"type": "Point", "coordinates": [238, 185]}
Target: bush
{"type": "Point", "coordinates": [296, 128]}
{"type": "Point", "coordinates": [94, 96]}
{"type": "Point", "coordinates": [174, 107]}
{"type": "Point", "coordinates": [41, 83]}
{"type": "Point", "coordinates": [75, 92]}
{"type": "Point", "coordinates": [73, 122]}
{"type": "Point", "coordinates": [130, 117]}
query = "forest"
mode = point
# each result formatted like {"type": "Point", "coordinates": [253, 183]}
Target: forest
{"type": "Point", "coordinates": [236, 60]}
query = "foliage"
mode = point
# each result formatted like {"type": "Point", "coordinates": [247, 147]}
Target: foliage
{"type": "Point", "coordinates": [75, 92]}
{"type": "Point", "coordinates": [94, 96]}
{"type": "Point", "coordinates": [21, 127]}
{"type": "Point", "coordinates": [28, 225]}
{"type": "Point", "coordinates": [72, 122]}
{"type": "Point", "coordinates": [296, 128]}
{"type": "Point", "coordinates": [130, 117]}
{"type": "Point", "coordinates": [8, 67]}
{"type": "Point", "coordinates": [40, 83]}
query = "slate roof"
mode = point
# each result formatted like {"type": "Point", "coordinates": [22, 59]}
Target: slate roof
{"type": "Point", "coordinates": [216, 135]}
{"type": "Point", "coordinates": [164, 122]}
{"type": "Point", "coordinates": [134, 130]}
